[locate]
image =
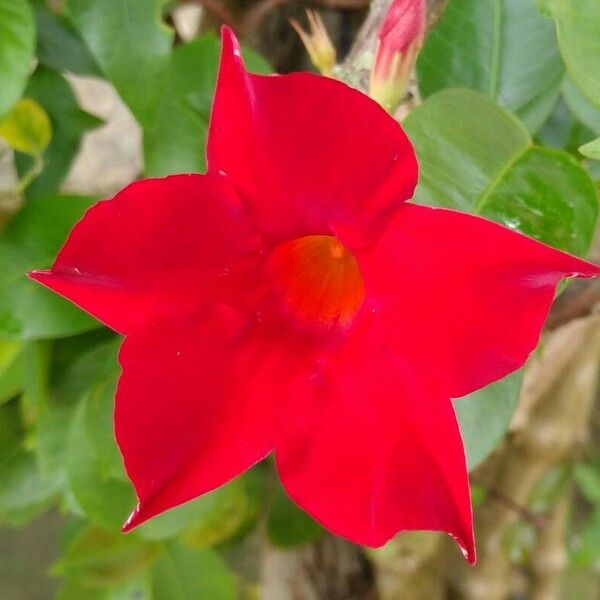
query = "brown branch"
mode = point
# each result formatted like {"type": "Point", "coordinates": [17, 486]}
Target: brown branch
{"type": "Point", "coordinates": [217, 9]}
{"type": "Point", "coordinates": [330, 568]}
{"type": "Point", "coordinates": [578, 300]}
{"type": "Point", "coordinates": [343, 4]}
{"type": "Point", "coordinates": [549, 556]}
{"type": "Point", "coordinates": [257, 14]}
{"type": "Point", "coordinates": [537, 520]}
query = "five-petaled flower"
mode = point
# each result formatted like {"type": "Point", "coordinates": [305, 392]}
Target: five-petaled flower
{"type": "Point", "coordinates": [291, 301]}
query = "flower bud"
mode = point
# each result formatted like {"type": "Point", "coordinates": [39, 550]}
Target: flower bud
{"type": "Point", "coordinates": [399, 41]}
{"type": "Point", "coordinates": [317, 42]}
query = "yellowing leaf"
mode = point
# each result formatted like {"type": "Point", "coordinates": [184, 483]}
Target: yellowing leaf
{"type": "Point", "coordinates": [27, 128]}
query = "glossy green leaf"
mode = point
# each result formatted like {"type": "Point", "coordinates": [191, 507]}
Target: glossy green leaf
{"type": "Point", "coordinates": [59, 45]}
{"type": "Point", "coordinates": [31, 241]}
{"type": "Point", "coordinates": [476, 157]}
{"type": "Point", "coordinates": [174, 139]}
{"type": "Point", "coordinates": [547, 195]}
{"type": "Point", "coordinates": [99, 558]}
{"type": "Point", "coordinates": [69, 124]}
{"type": "Point", "coordinates": [26, 128]}
{"type": "Point", "coordinates": [17, 45]}
{"type": "Point", "coordinates": [287, 524]}
{"type": "Point", "coordinates": [185, 574]}
{"type": "Point", "coordinates": [578, 25]}
{"type": "Point", "coordinates": [484, 415]}
{"type": "Point", "coordinates": [464, 141]}
{"type": "Point", "coordinates": [503, 48]}
{"type": "Point", "coordinates": [11, 370]}
{"type": "Point", "coordinates": [131, 45]}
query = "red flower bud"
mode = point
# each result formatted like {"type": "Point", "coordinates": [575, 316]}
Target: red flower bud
{"type": "Point", "coordinates": [400, 39]}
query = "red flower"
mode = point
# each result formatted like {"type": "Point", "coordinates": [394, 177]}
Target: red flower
{"type": "Point", "coordinates": [289, 301]}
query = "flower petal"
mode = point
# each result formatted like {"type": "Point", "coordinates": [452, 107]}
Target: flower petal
{"type": "Point", "coordinates": [196, 405]}
{"type": "Point", "coordinates": [465, 298]}
{"type": "Point", "coordinates": [160, 246]}
{"type": "Point", "coordinates": [310, 154]}
{"type": "Point", "coordinates": [371, 451]}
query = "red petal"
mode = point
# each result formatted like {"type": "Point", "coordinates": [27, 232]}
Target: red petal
{"type": "Point", "coordinates": [309, 153]}
{"type": "Point", "coordinates": [196, 405]}
{"type": "Point", "coordinates": [370, 452]}
{"type": "Point", "coordinates": [158, 247]}
{"type": "Point", "coordinates": [465, 298]}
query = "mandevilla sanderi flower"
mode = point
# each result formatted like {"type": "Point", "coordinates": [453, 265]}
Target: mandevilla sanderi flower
{"type": "Point", "coordinates": [399, 41]}
{"type": "Point", "coordinates": [291, 301]}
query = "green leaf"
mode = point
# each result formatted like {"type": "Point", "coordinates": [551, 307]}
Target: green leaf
{"type": "Point", "coordinates": [59, 45]}
{"type": "Point", "coordinates": [585, 112]}
{"type": "Point", "coordinates": [94, 363]}
{"type": "Point", "coordinates": [36, 370]}
{"type": "Point", "coordinates": [23, 493]}
{"type": "Point", "coordinates": [547, 195]}
{"type": "Point", "coordinates": [30, 241]}
{"type": "Point", "coordinates": [591, 150]}
{"type": "Point", "coordinates": [69, 124]}
{"type": "Point", "coordinates": [503, 48]}
{"type": "Point", "coordinates": [288, 525]}
{"type": "Point", "coordinates": [463, 141]}
{"type": "Point", "coordinates": [136, 589]}
{"type": "Point", "coordinates": [578, 25]}
{"type": "Point", "coordinates": [587, 478]}
{"type": "Point", "coordinates": [131, 45]}
{"type": "Point", "coordinates": [174, 139]}
{"type": "Point", "coordinates": [587, 549]}
{"type": "Point", "coordinates": [95, 469]}
{"type": "Point", "coordinates": [81, 361]}
{"type": "Point", "coordinates": [476, 157]}
{"type": "Point", "coordinates": [563, 130]}
{"type": "Point", "coordinates": [51, 443]}
{"type": "Point", "coordinates": [11, 370]}
{"type": "Point", "coordinates": [99, 558]}
{"type": "Point", "coordinates": [26, 127]}
{"type": "Point", "coordinates": [218, 515]}
{"type": "Point", "coordinates": [17, 45]}
{"type": "Point", "coordinates": [185, 574]}
{"type": "Point", "coordinates": [484, 416]}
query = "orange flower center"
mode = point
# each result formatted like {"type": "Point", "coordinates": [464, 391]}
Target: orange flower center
{"type": "Point", "coordinates": [319, 279]}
